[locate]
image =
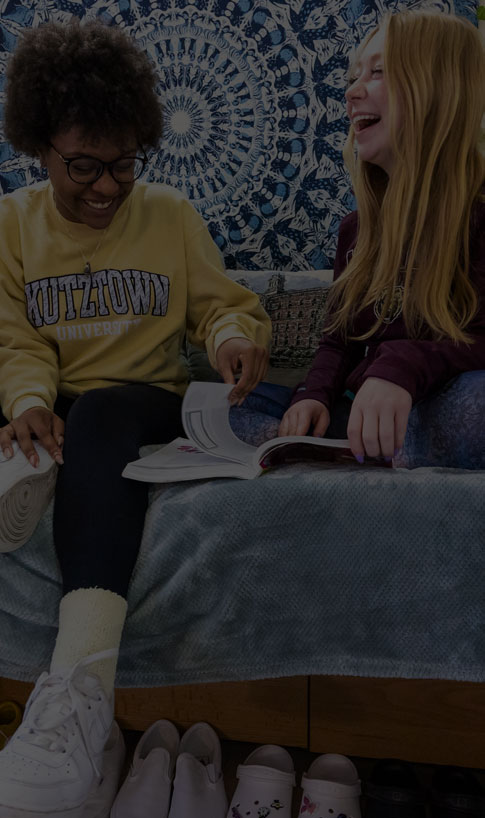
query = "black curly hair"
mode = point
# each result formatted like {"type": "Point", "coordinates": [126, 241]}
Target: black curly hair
{"type": "Point", "coordinates": [88, 76]}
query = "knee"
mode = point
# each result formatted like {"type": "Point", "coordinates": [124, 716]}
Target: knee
{"type": "Point", "coordinates": [96, 409]}
{"type": "Point", "coordinates": [469, 386]}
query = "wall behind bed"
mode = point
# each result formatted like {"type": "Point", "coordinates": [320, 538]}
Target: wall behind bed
{"type": "Point", "coordinates": [254, 111]}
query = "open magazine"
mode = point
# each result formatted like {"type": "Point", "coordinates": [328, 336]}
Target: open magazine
{"type": "Point", "coordinates": [213, 450]}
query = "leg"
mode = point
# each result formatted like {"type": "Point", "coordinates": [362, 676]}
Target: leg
{"type": "Point", "coordinates": [259, 416]}
{"type": "Point", "coordinates": [67, 754]}
{"type": "Point", "coordinates": [99, 515]}
{"type": "Point", "coordinates": [447, 429]}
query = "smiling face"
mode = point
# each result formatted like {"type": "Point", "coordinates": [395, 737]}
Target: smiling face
{"type": "Point", "coordinates": [94, 203]}
{"type": "Point", "coordinates": [368, 105]}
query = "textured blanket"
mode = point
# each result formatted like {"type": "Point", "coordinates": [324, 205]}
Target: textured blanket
{"type": "Point", "coordinates": [304, 570]}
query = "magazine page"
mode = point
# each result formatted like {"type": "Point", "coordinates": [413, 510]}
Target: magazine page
{"type": "Point", "coordinates": [182, 460]}
{"type": "Point", "coordinates": [205, 418]}
{"type": "Point", "coordinates": [301, 440]}
{"type": "Point", "coordinates": [211, 448]}
{"type": "Point", "coordinates": [295, 449]}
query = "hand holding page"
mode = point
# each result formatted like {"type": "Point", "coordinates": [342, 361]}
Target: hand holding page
{"type": "Point", "coordinates": [213, 450]}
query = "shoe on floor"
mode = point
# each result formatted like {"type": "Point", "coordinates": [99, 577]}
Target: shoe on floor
{"type": "Point", "coordinates": [265, 786]}
{"type": "Point", "coordinates": [25, 493]}
{"type": "Point", "coordinates": [198, 789]}
{"type": "Point", "coordinates": [10, 718]}
{"type": "Point", "coordinates": [393, 791]}
{"type": "Point", "coordinates": [103, 794]}
{"type": "Point", "coordinates": [456, 793]}
{"type": "Point", "coordinates": [147, 787]}
{"type": "Point", "coordinates": [54, 765]}
{"type": "Point", "coordinates": [331, 786]}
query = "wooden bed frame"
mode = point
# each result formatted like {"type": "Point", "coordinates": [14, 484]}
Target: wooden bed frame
{"type": "Point", "coordinates": [421, 720]}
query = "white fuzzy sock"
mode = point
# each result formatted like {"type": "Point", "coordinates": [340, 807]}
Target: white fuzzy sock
{"type": "Point", "coordinates": [90, 620]}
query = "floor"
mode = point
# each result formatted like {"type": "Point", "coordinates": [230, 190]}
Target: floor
{"type": "Point", "coordinates": [234, 753]}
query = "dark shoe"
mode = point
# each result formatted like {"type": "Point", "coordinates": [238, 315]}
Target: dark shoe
{"type": "Point", "coordinates": [456, 793]}
{"type": "Point", "coordinates": [393, 791]}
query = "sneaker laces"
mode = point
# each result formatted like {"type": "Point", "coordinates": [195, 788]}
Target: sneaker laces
{"type": "Point", "coordinates": [55, 699]}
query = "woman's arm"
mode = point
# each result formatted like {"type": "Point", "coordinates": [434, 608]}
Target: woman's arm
{"type": "Point", "coordinates": [29, 369]}
{"type": "Point", "coordinates": [28, 378]}
{"type": "Point", "coordinates": [28, 363]}
{"type": "Point", "coordinates": [422, 367]}
{"type": "Point", "coordinates": [223, 315]}
{"type": "Point", "coordinates": [333, 360]}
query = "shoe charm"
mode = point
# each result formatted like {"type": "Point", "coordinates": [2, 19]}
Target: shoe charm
{"type": "Point", "coordinates": [308, 806]}
{"type": "Point", "coordinates": [263, 812]}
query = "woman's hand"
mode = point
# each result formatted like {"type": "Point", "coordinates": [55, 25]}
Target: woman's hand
{"type": "Point", "coordinates": [39, 422]}
{"type": "Point", "coordinates": [378, 419]}
{"type": "Point", "coordinates": [299, 417]}
{"type": "Point", "coordinates": [241, 355]}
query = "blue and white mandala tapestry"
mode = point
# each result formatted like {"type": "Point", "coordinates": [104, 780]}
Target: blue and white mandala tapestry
{"type": "Point", "coordinates": [254, 111]}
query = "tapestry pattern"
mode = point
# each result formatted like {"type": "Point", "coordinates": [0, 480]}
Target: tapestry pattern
{"type": "Point", "coordinates": [254, 111]}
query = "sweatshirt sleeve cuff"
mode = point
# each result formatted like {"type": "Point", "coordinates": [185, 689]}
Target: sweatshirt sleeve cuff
{"type": "Point", "coordinates": [28, 402]}
{"type": "Point", "coordinates": [258, 335]}
{"type": "Point", "coordinates": [214, 342]}
{"type": "Point", "coordinates": [302, 393]}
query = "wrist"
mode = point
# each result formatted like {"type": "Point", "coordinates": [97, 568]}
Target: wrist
{"type": "Point", "coordinates": [27, 402]}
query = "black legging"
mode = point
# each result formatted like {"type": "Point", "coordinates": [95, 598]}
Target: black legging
{"type": "Point", "coordinates": [98, 514]}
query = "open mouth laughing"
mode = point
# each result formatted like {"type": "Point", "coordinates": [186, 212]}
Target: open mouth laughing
{"type": "Point", "coordinates": [362, 122]}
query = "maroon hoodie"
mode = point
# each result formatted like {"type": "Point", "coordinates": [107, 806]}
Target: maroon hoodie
{"type": "Point", "coordinates": [421, 366]}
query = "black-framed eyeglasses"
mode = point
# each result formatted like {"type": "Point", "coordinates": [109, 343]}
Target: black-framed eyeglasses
{"type": "Point", "coordinates": [84, 170]}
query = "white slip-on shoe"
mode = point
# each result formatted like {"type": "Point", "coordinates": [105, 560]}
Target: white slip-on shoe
{"type": "Point", "coordinates": [147, 788]}
{"type": "Point", "coordinates": [265, 786]}
{"type": "Point", "coordinates": [331, 786]}
{"type": "Point", "coordinates": [54, 766]}
{"type": "Point", "coordinates": [198, 790]}
{"type": "Point", "coordinates": [102, 796]}
{"type": "Point", "coordinates": [25, 493]}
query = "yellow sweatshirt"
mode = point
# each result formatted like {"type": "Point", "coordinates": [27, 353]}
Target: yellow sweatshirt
{"type": "Point", "coordinates": [155, 275]}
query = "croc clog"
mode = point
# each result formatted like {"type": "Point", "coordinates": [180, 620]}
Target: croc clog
{"type": "Point", "coordinates": [331, 787]}
{"type": "Point", "coordinates": [265, 786]}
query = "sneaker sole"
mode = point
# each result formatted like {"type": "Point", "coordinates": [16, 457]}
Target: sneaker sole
{"type": "Point", "coordinates": [24, 503]}
{"type": "Point", "coordinates": [98, 802]}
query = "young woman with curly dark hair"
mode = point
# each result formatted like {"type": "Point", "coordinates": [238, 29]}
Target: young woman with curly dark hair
{"type": "Point", "coordinates": [101, 277]}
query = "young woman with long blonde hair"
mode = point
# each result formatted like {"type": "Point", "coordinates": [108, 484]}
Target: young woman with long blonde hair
{"type": "Point", "coordinates": [406, 314]}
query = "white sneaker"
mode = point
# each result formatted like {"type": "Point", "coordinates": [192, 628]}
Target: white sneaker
{"type": "Point", "coordinates": [147, 787]}
{"type": "Point", "coordinates": [25, 493]}
{"type": "Point", "coordinates": [198, 790]}
{"type": "Point", "coordinates": [53, 765]}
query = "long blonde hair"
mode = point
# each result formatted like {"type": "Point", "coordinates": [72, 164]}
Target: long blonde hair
{"type": "Point", "coordinates": [434, 64]}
